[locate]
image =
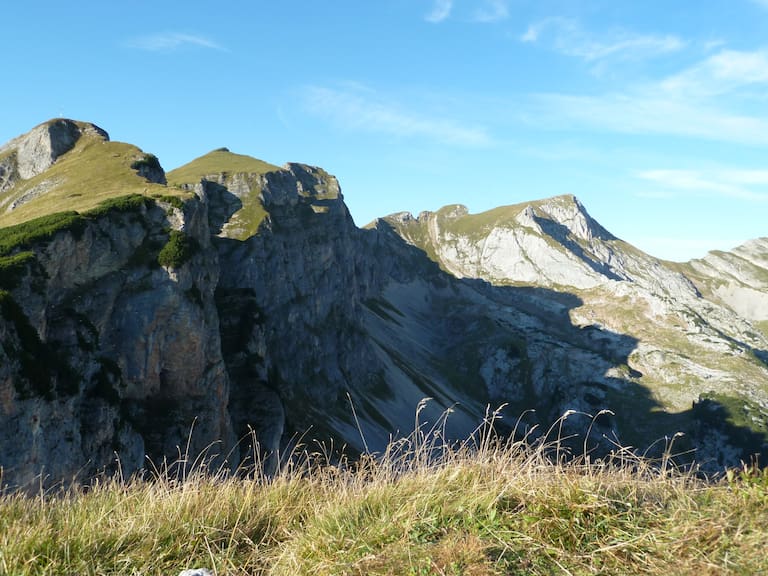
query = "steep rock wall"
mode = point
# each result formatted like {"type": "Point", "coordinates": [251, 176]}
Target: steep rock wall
{"type": "Point", "coordinates": [109, 357]}
{"type": "Point", "coordinates": [289, 299]}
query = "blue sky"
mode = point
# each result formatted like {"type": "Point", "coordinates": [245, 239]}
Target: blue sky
{"type": "Point", "coordinates": [653, 113]}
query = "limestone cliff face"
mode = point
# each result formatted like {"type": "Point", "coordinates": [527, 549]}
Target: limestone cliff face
{"type": "Point", "coordinates": [739, 278]}
{"type": "Point", "coordinates": [108, 355]}
{"type": "Point", "coordinates": [239, 309]}
{"type": "Point", "coordinates": [289, 299]}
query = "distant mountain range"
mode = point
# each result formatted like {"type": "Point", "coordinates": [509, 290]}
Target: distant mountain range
{"type": "Point", "coordinates": [230, 304]}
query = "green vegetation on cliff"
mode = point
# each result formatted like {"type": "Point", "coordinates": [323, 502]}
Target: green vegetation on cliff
{"type": "Point", "coordinates": [45, 227]}
{"type": "Point", "coordinates": [487, 511]}
{"type": "Point", "coordinates": [38, 229]}
{"type": "Point", "coordinates": [178, 250]}
{"type": "Point", "coordinates": [12, 268]}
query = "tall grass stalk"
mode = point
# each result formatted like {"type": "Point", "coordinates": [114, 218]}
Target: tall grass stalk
{"type": "Point", "coordinates": [485, 506]}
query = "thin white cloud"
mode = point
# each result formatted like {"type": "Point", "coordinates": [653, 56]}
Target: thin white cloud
{"type": "Point", "coordinates": [714, 44]}
{"type": "Point", "coordinates": [492, 11]}
{"type": "Point", "coordinates": [363, 110]}
{"type": "Point", "coordinates": [761, 3]}
{"type": "Point", "coordinates": [567, 37]}
{"type": "Point", "coordinates": [751, 185]}
{"type": "Point", "coordinates": [441, 10]}
{"type": "Point", "coordinates": [717, 99]}
{"type": "Point", "coordinates": [536, 30]}
{"type": "Point", "coordinates": [648, 112]}
{"type": "Point", "coordinates": [726, 71]}
{"type": "Point", "coordinates": [488, 11]}
{"type": "Point", "coordinates": [171, 41]}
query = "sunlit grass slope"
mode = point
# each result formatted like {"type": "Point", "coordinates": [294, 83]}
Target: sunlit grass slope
{"type": "Point", "coordinates": [484, 510]}
{"type": "Point", "coordinates": [93, 171]}
{"type": "Point", "coordinates": [220, 161]}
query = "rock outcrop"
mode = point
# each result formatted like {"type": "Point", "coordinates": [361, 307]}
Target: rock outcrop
{"type": "Point", "coordinates": [34, 152]}
{"type": "Point", "coordinates": [31, 154]}
{"type": "Point", "coordinates": [738, 278]}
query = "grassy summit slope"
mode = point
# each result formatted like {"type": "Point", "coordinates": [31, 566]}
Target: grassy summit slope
{"type": "Point", "coordinates": [239, 173]}
{"type": "Point", "coordinates": [220, 161]}
{"type": "Point", "coordinates": [95, 170]}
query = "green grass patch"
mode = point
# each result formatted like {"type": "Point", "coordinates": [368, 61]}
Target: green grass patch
{"type": "Point", "coordinates": [127, 203]}
{"type": "Point", "coordinates": [45, 227]}
{"type": "Point", "coordinates": [246, 221]}
{"type": "Point", "coordinates": [739, 412]}
{"type": "Point", "coordinates": [39, 229]}
{"type": "Point", "coordinates": [178, 250]}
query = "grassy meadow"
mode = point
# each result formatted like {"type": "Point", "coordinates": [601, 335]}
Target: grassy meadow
{"type": "Point", "coordinates": [485, 507]}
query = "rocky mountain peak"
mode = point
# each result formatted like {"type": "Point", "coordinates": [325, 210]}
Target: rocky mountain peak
{"type": "Point", "coordinates": [38, 149]}
{"type": "Point", "coordinates": [71, 165]}
{"type": "Point", "coordinates": [568, 212]}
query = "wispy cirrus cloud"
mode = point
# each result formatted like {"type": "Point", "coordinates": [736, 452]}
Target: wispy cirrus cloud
{"type": "Point", "coordinates": [488, 11]}
{"type": "Point", "coordinates": [441, 9]}
{"type": "Point", "coordinates": [492, 11]}
{"type": "Point", "coordinates": [717, 99]}
{"type": "Point", "coordinates": [646, 111]}
{"type": "Point", "coordinates": [723, 72]}
{"type": "Point", "coordinates": [171, 41]}
{"type": "Point", "coordinates": [568, 37]}
{"type": "Point", "coordinates": [358, 109]}
{"type": "Point", "coordinates": [751, 185]}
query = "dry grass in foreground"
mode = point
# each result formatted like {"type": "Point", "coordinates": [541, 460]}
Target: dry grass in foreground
{"type": "Point", "coordinates": [485, 508]}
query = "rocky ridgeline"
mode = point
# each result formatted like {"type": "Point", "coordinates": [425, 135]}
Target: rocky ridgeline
{"type": "Point", "coordinates": [249, 313]}
{"type": "Point", "coordinates": [738, 278]}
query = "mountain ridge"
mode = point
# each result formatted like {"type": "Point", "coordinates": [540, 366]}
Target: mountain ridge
{"type": "Point", "coordinates": [270, 316]}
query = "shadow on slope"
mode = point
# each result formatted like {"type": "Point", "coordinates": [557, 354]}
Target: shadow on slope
{"type": "Point", "coordinates": [565, 237]}
{"type": "Point", "coordinates": [485, 345]}
{"type": "Point", "coordinates": [222, 205]}
{"type": "Point", "coordinates": [318, 317]}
